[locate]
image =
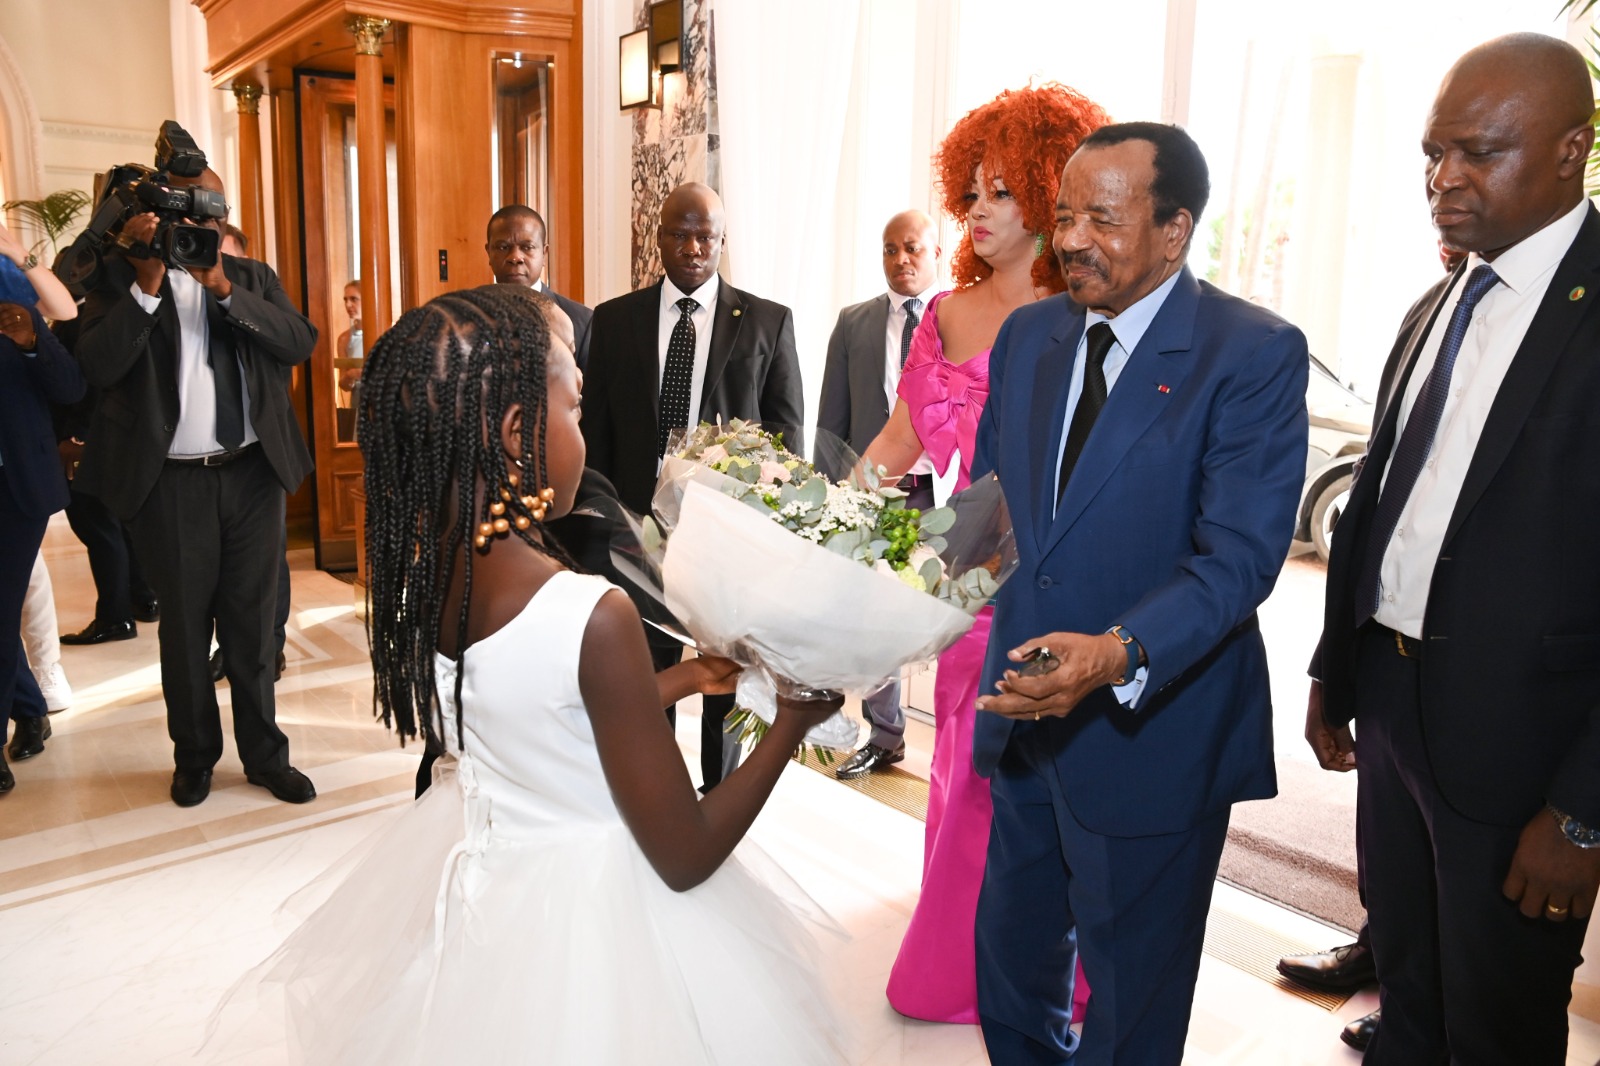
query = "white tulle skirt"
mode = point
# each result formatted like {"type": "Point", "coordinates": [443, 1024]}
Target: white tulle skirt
{"type": "Point", "coordinates": [445, 945]}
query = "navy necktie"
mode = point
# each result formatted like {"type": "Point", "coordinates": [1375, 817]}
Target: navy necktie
{"type": "Point", "coordinates": [1416, 442]}
{"type": "Point", "coordinates": [911, 305]}
{"type": "Point", "coordinates": [1090, 400]}
{"type": "Point", "coordinates": [677, 381]}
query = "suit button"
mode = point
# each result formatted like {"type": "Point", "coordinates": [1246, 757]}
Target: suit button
{"type": "Point", "coordinates": [1045, 582]}
{"type": "Point", "coordinates": [167, 429]}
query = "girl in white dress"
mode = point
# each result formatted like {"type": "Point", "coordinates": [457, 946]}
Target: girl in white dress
{"type": "Point", "coordinates": [560, 894]}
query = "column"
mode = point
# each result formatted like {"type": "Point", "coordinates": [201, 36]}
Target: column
{"type": "Point", "coordinates": [252, 219]}
{"type": "Point", "coordinates": [372, 163]}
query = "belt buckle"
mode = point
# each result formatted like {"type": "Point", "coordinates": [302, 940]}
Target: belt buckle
{"type": "Point", "coordinates": [1400, 644]}
{"type": "Point", "coordinates": [216, 459]}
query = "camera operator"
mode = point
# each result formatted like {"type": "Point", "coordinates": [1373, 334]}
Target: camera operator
{"type": "Point", "coordinates": [194, 445]}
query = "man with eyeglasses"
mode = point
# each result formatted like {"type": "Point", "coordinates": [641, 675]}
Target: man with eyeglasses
{"type": "Point", "coordinates": [687, 349]}
{"type": "Point", "coordinates": [517, 249]}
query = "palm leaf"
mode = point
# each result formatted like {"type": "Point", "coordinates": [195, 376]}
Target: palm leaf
{"type": "Point", "coordinates": [54, 214]}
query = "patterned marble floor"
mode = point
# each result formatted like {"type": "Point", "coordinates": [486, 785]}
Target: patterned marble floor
{"type": "Point", "coordinates": [126, 917]}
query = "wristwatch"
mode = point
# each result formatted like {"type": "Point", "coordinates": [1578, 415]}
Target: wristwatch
{"type": "Point", "coordinates": [1575, 831]}
{"type": "Point", "coordinates": [29, 261]}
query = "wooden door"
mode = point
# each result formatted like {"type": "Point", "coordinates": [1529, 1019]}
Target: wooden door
{"type": "Point", "coordinates": [330, 233]}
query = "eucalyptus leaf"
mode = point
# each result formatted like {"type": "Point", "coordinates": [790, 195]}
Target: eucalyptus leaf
{"type": "Point", "coordinates": [939, 520]}
{"type": "Point", "coordinates": [930, 572]}
{"type": "Point", "coordinates": [815, 492]}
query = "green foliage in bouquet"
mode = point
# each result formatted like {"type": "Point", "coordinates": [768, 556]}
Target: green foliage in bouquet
{"type": "Point", "coordinates": [868, 523]}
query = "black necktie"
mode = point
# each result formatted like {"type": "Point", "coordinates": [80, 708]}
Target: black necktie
{"type": "Point", "coordinates": [225, 373]}
{"type": "Point", "coordinates": [911, 305]}
{"type": "Point", "coordinates": [677, 381]}
{"type": "Point", "coordinates": [1090, 401]}
{"type": "Point", "coordinates": [1416, 442]}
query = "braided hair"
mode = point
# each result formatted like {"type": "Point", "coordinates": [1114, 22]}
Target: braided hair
{"type": "Point", "coordinates": [434, 391]}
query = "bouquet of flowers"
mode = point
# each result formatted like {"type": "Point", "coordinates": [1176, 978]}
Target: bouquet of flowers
{"type": "Point", "coordinates": [810, 584]}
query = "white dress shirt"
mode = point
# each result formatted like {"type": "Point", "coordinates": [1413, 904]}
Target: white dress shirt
{"type": "Point", "coordinates": [1498, 325]}
{"type": "Point", "coordinates": [891, 373]}
{"type": "Point", "coordinates": [1129, 328]}
{"type": "Point", "coordinates": [706, 295]}
{"type": "Point", "coordinates": [196, 434]}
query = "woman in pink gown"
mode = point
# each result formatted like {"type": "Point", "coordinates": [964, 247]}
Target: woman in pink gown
{"type": "Point", "coordinates": [999, 168]}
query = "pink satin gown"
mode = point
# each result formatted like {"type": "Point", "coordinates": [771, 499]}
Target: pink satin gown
{"type": "Point", "coordinates": [935, 975]}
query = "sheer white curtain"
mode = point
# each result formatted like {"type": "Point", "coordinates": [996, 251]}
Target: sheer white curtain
{"type": "Point", "coordinates": [784, 74]}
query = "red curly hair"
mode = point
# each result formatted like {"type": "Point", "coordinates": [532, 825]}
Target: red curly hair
{"type": "Point", "coordinates": [1024, 137]}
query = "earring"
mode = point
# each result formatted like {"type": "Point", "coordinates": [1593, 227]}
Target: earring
{"type": "Point", "coordinates": [1038, 245]}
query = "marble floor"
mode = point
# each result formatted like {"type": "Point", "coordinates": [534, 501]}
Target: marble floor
{"type": "Point", "coordinates": [126, 917]}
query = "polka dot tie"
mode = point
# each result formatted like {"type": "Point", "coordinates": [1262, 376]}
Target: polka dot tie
{"type": "Point", "coordinates": [678, 379]}
{"type": "Point", "coordinates": [913, 305]}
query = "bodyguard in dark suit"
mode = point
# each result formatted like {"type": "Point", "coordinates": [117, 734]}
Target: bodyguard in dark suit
{"type": "Point", "coordinates": [868, 347]}
{"type": "Point", "coordinates": [1150, 439]}
{"type": "Point", "coordinates": [35, 372]}
{"type": "Point", "coordinates": [194, 445]}
{"type": "Point", "coordinates": [517, 250]}
{"type": "Point", "coordinates": [689, 348]}
{"type": "Point", "coordinates": [1462, 629]}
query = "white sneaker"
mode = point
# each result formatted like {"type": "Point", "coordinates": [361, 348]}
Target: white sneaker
{"type": "Point", "coordinates": [53, 684]}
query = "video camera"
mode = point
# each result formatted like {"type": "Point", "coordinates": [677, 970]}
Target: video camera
{"type": "Point", "coordinates": [130, 189]}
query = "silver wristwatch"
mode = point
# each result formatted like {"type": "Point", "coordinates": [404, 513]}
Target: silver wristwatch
{"type": "Point", "coordinates": [29, 261]}
{"type": "Point", "coordinates": [1575, 831]}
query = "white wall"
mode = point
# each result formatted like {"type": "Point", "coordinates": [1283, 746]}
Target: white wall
{"type": "Point", "coordinates": [98, 77]}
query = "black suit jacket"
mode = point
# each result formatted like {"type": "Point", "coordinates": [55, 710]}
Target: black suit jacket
{"type": "Point", "coordinates": [853, 406]}
{"type": "Point", "coordinates": [581, 317]}
{"type": "Point", "coordinates": [1511, 654]}
{"type": "Point", "coordinates": [752, 372]}
{"type": "Point", "coordinates": [131, 356]}
{"type": "Point", "coordinates": [30, 469]}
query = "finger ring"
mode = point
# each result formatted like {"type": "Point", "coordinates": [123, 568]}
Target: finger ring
{"type": "Point", "coordinates": [1554, 911]}
{"type": "Point", "coordinates": [1035, 716]}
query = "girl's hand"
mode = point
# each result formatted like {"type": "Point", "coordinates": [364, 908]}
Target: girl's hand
{"type": "Point", "coordinates": [715, 676]}
{"type": "Point", "coordinates": [808, 714]}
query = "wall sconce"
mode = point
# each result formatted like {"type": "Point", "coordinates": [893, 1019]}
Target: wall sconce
{"type": "Point", "coordinates": [637, 82]}
{"type": "Point", "coordinates": [646, 55]}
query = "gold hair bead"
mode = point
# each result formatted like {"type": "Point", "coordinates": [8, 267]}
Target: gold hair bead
{"type": "Point", "coordinates": [501, 525]}
{"type": "Point", "coordinates": [547, 494]}
{"type": "Point", "coordinates": [511, 478]}
{"type": "Point", "coordinates": [529, 502]}
{"type": "Point", "coordinates": [538, 513]}
{"type": "Point", "coordinates": [522, 521]}
{"type": "Point", "coordinates": [497, 508]}
{"type": "Point", "coordinates": [485, 529]}
{"type": "Point", "coordinates": [480, 541]}
{"type": "Point", "coordinates": [505, 494]}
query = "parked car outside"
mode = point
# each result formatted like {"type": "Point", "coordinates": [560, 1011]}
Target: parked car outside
{"type": "Point", "coordinates": [1341, 422]}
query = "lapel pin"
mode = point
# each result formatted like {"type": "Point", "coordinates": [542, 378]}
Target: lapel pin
{"type": "Point", "coordinates": [739, 311]}
{"type": "Point", "coordinates": [1576, 294]}
{"type": "Point", "coordinates": [1163, 388]}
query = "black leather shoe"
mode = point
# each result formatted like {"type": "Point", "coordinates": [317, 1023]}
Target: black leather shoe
{"type": "Point", "coordinates": [98, 632]}
{"type": "Point", "coordinates": [288, 784]}
{"type": "Point", "coordinates": [1338, 968]}
{"type": "Point", "coordinates": [1358, 1034]}
{"type": "Point", "coordinates": [190, 787]}
{"type": "Point", "coordinates": [8, 780]}
{"type": "Point", "coordinates": [867, 760]}
{"type": "Point", "coordinates": [147, 610]}
{"type": "Point", "coordinates": [29, 738]}
{"type": "Point", "coordinates": [218, 667]}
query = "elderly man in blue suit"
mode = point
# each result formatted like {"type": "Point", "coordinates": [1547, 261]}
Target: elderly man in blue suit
{"type": "Point", "coordinates": [1150, 437]}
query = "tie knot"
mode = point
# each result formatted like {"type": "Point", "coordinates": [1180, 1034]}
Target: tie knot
{"type": "Point", "coordinates": [913, 305]}
{"type": "Point", "coordinates": [1480, 281]}
{"type": "Point", "coordinates": [688, 305]}
{"type": "Point", "coordinates": [1100, 341]}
